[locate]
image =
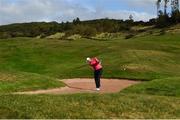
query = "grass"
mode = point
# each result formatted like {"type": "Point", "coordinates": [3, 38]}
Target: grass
{"type": "Point", "coordinates": [32, 64]}
{"type": "Point", "coordinates": [145, 57]}
{"type": "Point", "coordinates": [89, 106]}
{"type": "Point", "coordinates": [163, 87]}
{"type": "Point", "coordinates": [18, 82]}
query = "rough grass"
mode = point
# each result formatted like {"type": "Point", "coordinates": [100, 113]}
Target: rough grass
{"type": "Point", "coordinates": [164, 87]}
{"type": "Point", "coordinates": [89, 106]}
{"type": "Point", "coordinates": [16, 82]}
{"type": "Point", "coordinates": [56, 36]}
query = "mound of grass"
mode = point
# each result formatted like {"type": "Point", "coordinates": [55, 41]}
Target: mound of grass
{"type": "Point", "coordinates": [16, 82]}
{"type": "Point", "coordinates": [90, 106]}
{"type": "Point", "coordinates": [165, 87]}
{"type": "Point", "coordinates": [150, 57]}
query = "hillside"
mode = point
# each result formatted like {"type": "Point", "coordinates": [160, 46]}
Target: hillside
{"type": "Point", "coordinates": [84, 28]}
{"type": "Point", "coordinates": [151, 56]}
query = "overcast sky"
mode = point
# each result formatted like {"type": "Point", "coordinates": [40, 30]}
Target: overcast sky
{"type": "Point", "coordinates": [17, 11]}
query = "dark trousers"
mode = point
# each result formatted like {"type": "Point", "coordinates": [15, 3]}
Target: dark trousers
{"type": "Point", "coordinates": [97, 76]}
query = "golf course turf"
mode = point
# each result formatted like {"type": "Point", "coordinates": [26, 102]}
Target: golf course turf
{"type": "Point", "coordinates": [28, 64]}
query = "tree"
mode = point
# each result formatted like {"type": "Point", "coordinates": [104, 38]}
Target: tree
{"type": "Point", "coordinates": [67, 26]}
{"type": "Point", "coordinates": [158, 6]}
{"type": "Point", "coordinates": [165, 6]}
{"type": "Point", "coordinates": [163, 20]}
{"type": "Point", "coordinates": [175, 16]}
{"type": "Point", "coordinates": [89, 31]}
{"type": "Point", "coordinates": [76, 21]}
{"type": "Point", "coordinates": [130, 17]}
{"type": "Point", "coordinates": [174, 5]}
{"type": "Point", "coordinates": [152, 21]}
{"type": "Point", "coordinates": [158, 3]}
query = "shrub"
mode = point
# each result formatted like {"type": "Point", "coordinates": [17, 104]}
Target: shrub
{"type": "Point", "coordinates": [129, 36]}
{"type": "Point", "coordinates": [56, 36]}
{"type": "Point", "coordinates": [74, 37]}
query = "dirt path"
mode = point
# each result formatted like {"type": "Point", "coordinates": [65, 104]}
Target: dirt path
{"type": "Point", "coordinates": [85, 85]}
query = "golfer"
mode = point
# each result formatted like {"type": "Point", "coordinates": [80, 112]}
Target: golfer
{"type": "Point", "coordinates": [96, 64]}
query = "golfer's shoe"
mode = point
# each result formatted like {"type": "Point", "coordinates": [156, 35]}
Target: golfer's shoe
{"type": "Point", "coordinates": [97, 89]}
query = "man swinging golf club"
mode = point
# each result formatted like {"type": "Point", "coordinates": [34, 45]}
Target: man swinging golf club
{"type": "Point", "coordinates": [96, 64]}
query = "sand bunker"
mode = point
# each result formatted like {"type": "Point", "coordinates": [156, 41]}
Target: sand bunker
{"type": "Point", "coordinates": [86, 85]}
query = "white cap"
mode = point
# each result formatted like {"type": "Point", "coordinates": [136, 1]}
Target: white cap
{"type": "Point", "coordinates": [88, 59]}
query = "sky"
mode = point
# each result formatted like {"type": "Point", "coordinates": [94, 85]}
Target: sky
{"type": "Point", "coordinates": [18, 11]}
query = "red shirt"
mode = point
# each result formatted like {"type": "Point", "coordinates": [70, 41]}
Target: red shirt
{"type": "Point", "coordinates": [95, 63]}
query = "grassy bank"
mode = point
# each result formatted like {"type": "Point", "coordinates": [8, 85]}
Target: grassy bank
{"type": "Point", "coordinates": [145, 58]}
{"type": "Point", "coordinates": [21, 81]}
{"type": "Point", "coordinates": [89, 106]}
{"type": "Point", "coordinates": [163, 87]}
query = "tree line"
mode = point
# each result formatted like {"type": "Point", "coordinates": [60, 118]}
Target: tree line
{"type": "Point", "coordinates": [83, 28]}
{"type": "Point", "coordinates": [93, 27]}
{"type": "Point", "coordinates": [166, 18]}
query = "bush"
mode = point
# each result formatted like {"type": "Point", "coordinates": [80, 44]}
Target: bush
{"type": "Point", "coordinates": [129, 36]}
{"type": "Point", "coordinates": [175, 17]}
{"type": "Point", "coordinates": [74, 37]}
{"type": "Point", "coordinates": [89, 31]}
{"type": "Point", "coordinates": [163, 21]}
{"type": "Point", "coordinates": [162, 32]}
{"type": "Point", "coordinates": [56, 36]}
{"type": "Point", "coordinates": [42, 35]}
{"type": "Point", "coordinates": [5, 35]}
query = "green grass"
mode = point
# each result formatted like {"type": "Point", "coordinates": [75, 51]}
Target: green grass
{"type": "Point", "coordinates": [89, 106]}
{"type": "Point", "coordinates": [32, 64]}
{"type": "Point", "coordinates": [163, 87]}
{"type": "Point", "coordinates": [147, 58]}
{"type": "Point", "coordinates": [18, 82]}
